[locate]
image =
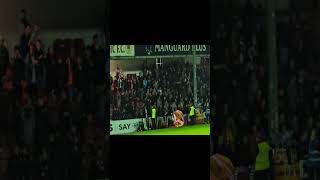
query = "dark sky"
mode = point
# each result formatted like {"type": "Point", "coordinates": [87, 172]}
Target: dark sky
{"type": "Point", "coordinates": [54, 14]}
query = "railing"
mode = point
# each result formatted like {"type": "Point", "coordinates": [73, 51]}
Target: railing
{"type": "Point", "coordinates": [244, 173]}
{"type": "Point", "coordinates": [281, 168]}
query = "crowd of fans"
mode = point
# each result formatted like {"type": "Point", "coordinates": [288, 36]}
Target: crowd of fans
{"type": "Point", "coordinates": [169, 87]}
{"type": "Point", "coordinates": [53, 110]}
{"type": "Point", "coordinates": [299, 87]}
{"type": "Point", "coordinates": [243, 90]}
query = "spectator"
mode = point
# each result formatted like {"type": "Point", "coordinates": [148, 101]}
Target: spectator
{"type": "Point", "coordinates": [23, 18]}
{"type": "Point", "coordinates": [314, 140]}
{"type": "Point", "coordinates": [158, 89]}
{"type": "Point", "coordinates": [33, 70]}
{"type": "Point", "coordinates": [15, 165]}
{"type": "Point", "coordinates": [62, 72]}
{"type": "Point", "coordinates": [229, 135]}
{"type": "Point", "coordinates": [75, 141]}
{"type": "Point", "coordinates": [29, 123]}
{"type": "Point", "coordinates": [18, 67]}
{"type": "Point", "coordinates": [312, 163]}
{"type": "Point", "coordinates": [7, 79]}
{"type": "Point", "coordinates": [221, 167]}
{"type": "Point", "coordinates": [4, 56]}
{"type": "Point", "coordinates": [263, 159]}
{"type": "Point", "coordinates": [42, 71]}
{"type": "Point", "coordinates": [44, 166]}
{"type": "Point", "coordinates": [48, 97]}
{"type": "Point", "coordinates": [51, 70]}
{"type": "Point", "coordinates": [243, 153]}
{"type": "Point", "coordinates": [98, 166]}
{"type": "Point", "coordinates": [25, 40]}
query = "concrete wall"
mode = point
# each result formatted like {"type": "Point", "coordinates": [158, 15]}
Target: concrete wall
{"type": "Point", "coordinates": [53, 14]}
{"type": "Point", "coordinates": [135, 65]}
{"type": "Point", "coordinates": [47, 37]}
{"type": "Point", "coordinates": [317, 31]}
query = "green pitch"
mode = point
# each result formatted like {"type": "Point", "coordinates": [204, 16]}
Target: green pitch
{"type": "Point", "coordinates": [200, 129]}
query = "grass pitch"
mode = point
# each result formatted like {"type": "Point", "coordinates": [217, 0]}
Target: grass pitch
{"type": "Point", "coordinates": [200, 129]}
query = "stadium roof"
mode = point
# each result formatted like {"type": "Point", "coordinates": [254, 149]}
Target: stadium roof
{"type": "Point", "coordinates": [53, 14]}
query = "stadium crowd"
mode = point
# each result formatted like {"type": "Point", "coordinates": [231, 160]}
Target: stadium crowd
{"type": "Point", "coordinates": [53, 106]}
{"type": "Point", "coordinates": [169, 87]}
{"type": "Point", "coordinates": [243, 91]}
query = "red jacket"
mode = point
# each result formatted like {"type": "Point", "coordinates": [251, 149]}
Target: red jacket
{"type": "Point", "coordinates": [7, 81]}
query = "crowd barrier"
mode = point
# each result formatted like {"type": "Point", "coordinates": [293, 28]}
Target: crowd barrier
{"type": "Point", "coordinates": [282, 170]}
{"type": "Point", "coordinates": [132, 125]}
{"type": "Point", "coordinates": [125, 126]}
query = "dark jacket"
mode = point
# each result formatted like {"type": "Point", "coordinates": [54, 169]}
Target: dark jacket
{"type": "Point", "coordinates": [51, 73]}
{"type": "Point", "coordinates": [18, 70]}
{"type": "Point", "coordinates": [4, 59]}
{"type": "Point", "coordinates": [33, 68]}
{"type": "Point", "coordinates": [62, 75]}
{"type": "Point", "coordinates": [24, 40]}
{"type": "Point", "coordinates": [39, 55]}
{"type": "Point", "coordinates": [81, 78]}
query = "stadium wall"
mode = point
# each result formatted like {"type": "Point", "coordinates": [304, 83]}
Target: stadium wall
{"type": "Point", "coordinates": [113, 73]}
{"type": "Point", "coordinates": [280, 4]}
{"type": "Point", "coordinates": [135, 64]}
{"type": "Point", "coordinates": [316, 32]}
{"type": "Point", "coordinates": [48, 37]}
{"type": "Point", "coordinates": [86, 34]}
{"type": "Point", "coordinates": [55, 14]}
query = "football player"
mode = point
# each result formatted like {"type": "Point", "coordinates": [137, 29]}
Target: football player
{"type": "Point", "coordinates": [177, 117]}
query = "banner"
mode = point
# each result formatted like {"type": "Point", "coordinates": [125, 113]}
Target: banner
{"type": "Point", "coordinates": [125, 126]}
{"type": "Point", "coordinates": [130, 125]}
{"type": "Point", "coordinates": [122, 50]}
{"type": "Point", "coordinates": [170, 50]}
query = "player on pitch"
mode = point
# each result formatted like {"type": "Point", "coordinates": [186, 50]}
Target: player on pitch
{"type": "Point", "coordinates": [177, 118]}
